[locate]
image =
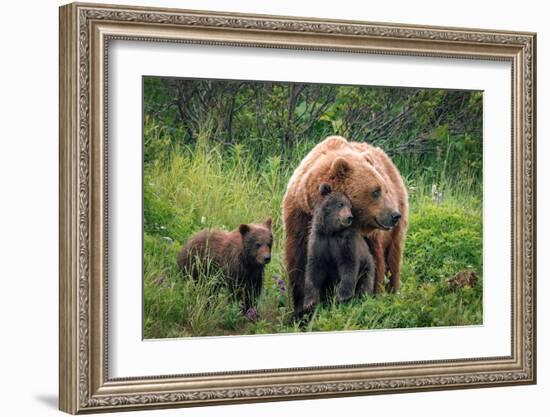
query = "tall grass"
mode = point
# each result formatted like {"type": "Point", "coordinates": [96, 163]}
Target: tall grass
{"type": "Point", "coordinates": [205, 186]}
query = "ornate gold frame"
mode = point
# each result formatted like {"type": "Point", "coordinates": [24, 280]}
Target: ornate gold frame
{"type": "Point", "coordinates": [85, 31]}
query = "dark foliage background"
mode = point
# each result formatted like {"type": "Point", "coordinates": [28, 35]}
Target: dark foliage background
{"type": "Point", "coordinates": [272, 118]}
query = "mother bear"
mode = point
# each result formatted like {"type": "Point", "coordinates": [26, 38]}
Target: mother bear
{"type": "Point", "coordinates": [378, 196]}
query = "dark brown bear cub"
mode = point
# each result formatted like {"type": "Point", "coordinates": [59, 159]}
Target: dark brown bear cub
{"type": "Point", "coordinates": [240, 255]}
{"type": "Point", "coordinates": [338, 257]}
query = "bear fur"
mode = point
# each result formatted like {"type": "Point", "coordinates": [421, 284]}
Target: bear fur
{"type": "Point", "coordinates": [338, 257]}
{"type": "Point", "coordinates": [379, 205]}
{"type": "Point", "coordinates": [241, 256]}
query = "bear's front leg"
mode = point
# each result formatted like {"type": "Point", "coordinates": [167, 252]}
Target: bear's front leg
{"type": "Point", "coordinates": [377, 252]}
{"type": "Point", "coordinates": [394, 255]}
{"type": "Point", "coordinates": [315, 278]}
{"type": "Point", "coordinates": [252, 291]}
{"type": "Point", "coordinates": [296, 229]}
{"type": "Point", "coordinates": [365, 282]}
{"type": "Point", "coordinates": [348, 273]}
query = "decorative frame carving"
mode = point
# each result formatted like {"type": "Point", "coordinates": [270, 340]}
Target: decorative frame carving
{"type": "Point", "coordinates": [85, 31]}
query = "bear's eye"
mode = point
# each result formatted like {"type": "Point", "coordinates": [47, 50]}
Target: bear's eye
{"type": "Point", "coordinates": [339, 205]}
{"type": "Point", "coordinates": [376, 193]}
{"type": "Point", "coordinates": [258, 245]}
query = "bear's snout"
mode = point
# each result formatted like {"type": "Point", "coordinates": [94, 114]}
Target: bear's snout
{"type": "Point", "coordinates": [346, 221]}
{"type": "Point", "coordinates": [395, 216]}
{"type": "Point", "coordinates": [388, 221]}
{"type": "Point", "coordinates": [263, 256]}
{"type": "Point", "coordinates": [346, 217]}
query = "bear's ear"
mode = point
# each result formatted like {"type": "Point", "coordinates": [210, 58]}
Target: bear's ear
{"type": "Point", "coordinates": [244, 229]}
{"type": "Point", "coordinates": [368, 158]}
{"type": "Point", "coordinates": [268, 223]}
{"type": "Point", "coordinates": [325, 189]}
{"type": "Point", "coordinates": [340, 168]}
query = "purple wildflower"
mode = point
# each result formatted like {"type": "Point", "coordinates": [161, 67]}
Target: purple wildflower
{"type": "Point", "coordinates": [251, 313]}
{"type": "Point", "coordinates": [280, 283]}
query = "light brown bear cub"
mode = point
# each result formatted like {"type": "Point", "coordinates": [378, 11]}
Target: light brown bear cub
{"type": "Point", "coordinates": [338, 257]}
{"type": "Point", "coordinates": [240, 255]}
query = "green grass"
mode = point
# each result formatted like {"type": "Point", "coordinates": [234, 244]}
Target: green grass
{"type": "Point", "coordinates": [194, 188]}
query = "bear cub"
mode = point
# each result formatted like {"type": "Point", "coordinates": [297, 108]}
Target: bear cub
{"type": "Point", "coordinates": [240, 255]}
{"type": "Point", "coordinates": [338, 257]}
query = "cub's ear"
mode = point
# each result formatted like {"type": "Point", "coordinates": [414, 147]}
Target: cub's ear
{"type": "Point", "coordinates": [268, 223]}
{"type": "Point", "coordinates": [244, 229]}
{"type": "Point", "coordinates": [368, 158]}
{"type": "Point", "coordinates": [340, 168]}
{"type": "Point", "coordinates": [325, 189]}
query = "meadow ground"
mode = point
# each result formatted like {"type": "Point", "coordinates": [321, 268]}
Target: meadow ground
{"type": "Point", "coordinates": [203, 186]}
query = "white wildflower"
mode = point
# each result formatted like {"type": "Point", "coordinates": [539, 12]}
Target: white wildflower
{"type": "Point", "coordinates": [437, 195]}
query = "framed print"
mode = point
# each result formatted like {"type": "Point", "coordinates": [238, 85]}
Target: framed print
{"type": "Point", "coordinates": [264, 208]}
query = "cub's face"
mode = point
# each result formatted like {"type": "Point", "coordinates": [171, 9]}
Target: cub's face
{"type": "Point", "coordinates": [257, 242]}
{"type": "Point", "coordinates": [335, 209]}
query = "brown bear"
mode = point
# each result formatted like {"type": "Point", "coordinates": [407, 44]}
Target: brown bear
{"type": "Point", "coordinates": [240, 255]}
{"type": "Point", "coordinates": [338, 257]}
{"type": "Point", "coordinates": [379, 204]}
